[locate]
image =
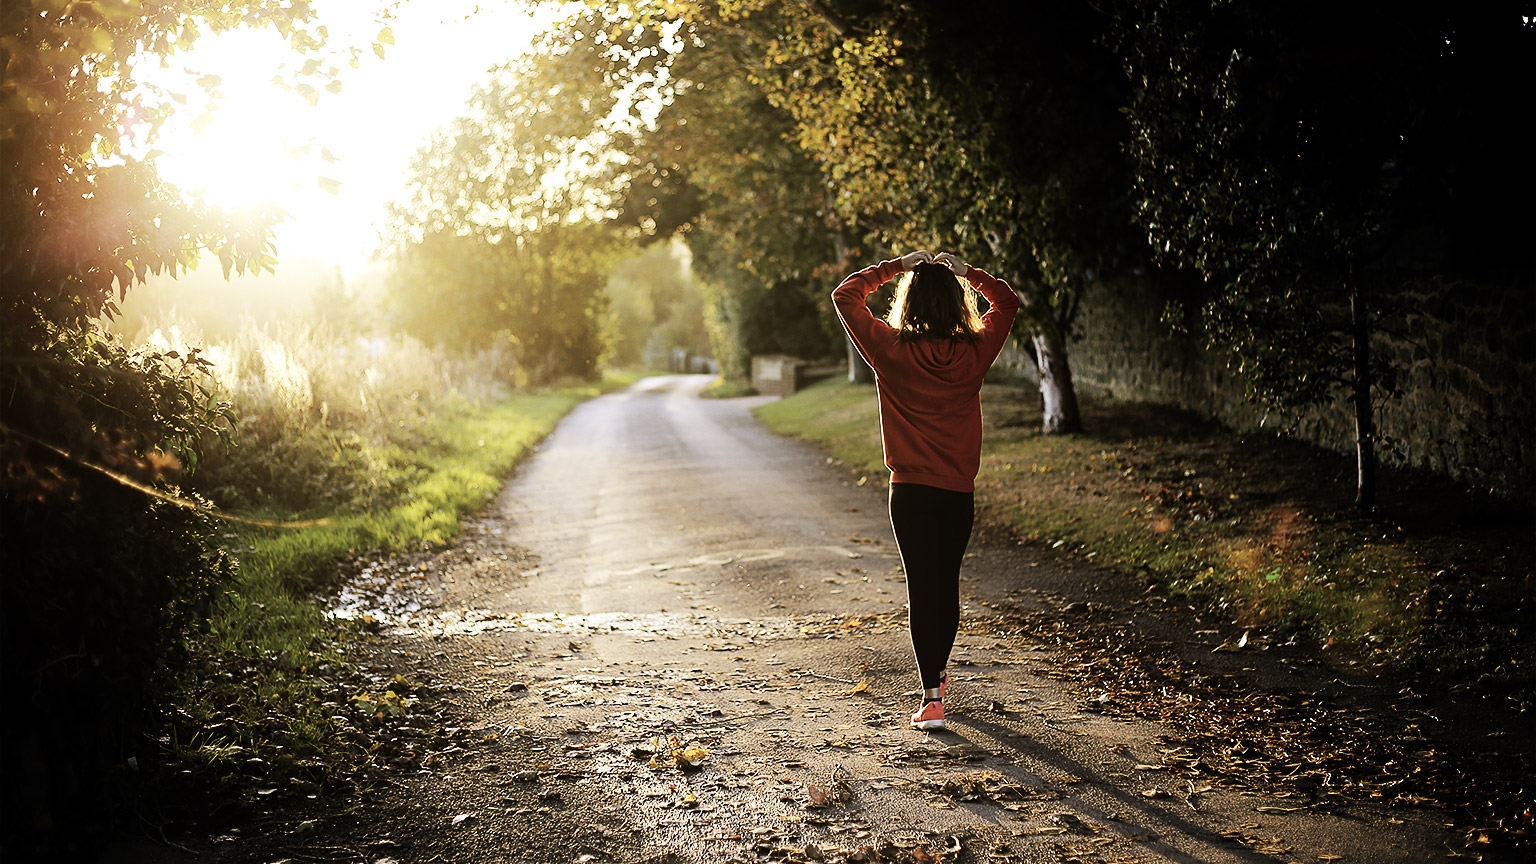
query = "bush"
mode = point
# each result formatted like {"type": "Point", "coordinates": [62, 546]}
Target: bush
{"type": "Point", "coordinates": [103, 587]}
{"type": "Point", "coordinates": [325, 420]}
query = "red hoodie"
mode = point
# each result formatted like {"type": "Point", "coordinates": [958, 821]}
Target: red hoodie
{"type": "Point", "coordinates": [930, 402]}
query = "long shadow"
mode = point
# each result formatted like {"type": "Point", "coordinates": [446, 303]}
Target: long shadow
{"type": "Point", "coordinates": [1054, 759]}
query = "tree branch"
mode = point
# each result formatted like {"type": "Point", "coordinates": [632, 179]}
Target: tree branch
{"type": "Point", "coordinates": [838, 24]}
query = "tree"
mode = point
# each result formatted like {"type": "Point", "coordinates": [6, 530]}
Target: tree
{"type": "Point", "coordinates": [113, 580]}
{"type": "Point", "coordinates": [764, 236]}
{"type": "Point", "coordinates": [538, 295]}
{"type": "Point", "coordinates": [501, 236]}
{"type": "Point", "coordinates": [935, 127]}
{"type": "Point", "coordinates": [709, 159]}
{"type": "Point", "coordinates": [656, 307]}
{"type": "Point", "coordinates": [1300, 169]}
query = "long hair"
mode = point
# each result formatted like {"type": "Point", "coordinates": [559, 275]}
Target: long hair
{"type": "Point", "coordinates": [930, 303]}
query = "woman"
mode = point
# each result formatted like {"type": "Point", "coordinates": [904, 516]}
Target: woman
{"type": "Point", "coordinates": [929, 358]}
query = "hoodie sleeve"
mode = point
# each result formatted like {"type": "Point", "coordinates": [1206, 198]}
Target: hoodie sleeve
{"type": "Point", "coordinates": [868, 333]}
{"type": "Point", "coordinates": [998, 322]}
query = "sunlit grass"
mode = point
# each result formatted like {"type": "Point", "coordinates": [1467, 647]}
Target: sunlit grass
{"type": "Point", "coordinates": [836, 415]}
{"type": "Point", "coordinates": [1258, 530]}
{"type": "Point", "coordinates": [464, 460]}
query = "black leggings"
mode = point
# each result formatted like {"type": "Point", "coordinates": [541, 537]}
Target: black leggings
{"type": "Point", "coordinates": [932, 529]}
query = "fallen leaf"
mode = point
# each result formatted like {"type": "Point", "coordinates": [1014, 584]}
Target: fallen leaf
{"type": "Point", "coordinates": [690, 758]}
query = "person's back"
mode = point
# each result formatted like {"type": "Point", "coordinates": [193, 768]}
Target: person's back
{"type": "Point", "coordinates": [929, 361]}
{"type": "Point", "coordinates": [929, 358]}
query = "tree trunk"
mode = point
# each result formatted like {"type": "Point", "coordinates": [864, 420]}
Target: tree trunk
{"type": "Point", "coordinates": [858, 371]}
{"type": "Point", "coordinates": [1365, 418]}
{"type": "Point", "coordinates": [1049, 339]}
{"type": "Point", "coordinates": [1061, 415]}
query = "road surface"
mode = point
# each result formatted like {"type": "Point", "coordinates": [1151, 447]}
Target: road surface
{"type": "Point", "coordinates": [666, 583]}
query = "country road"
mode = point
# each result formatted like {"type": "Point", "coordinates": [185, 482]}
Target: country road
{"type": "Point", "coordinates": [664, 568]}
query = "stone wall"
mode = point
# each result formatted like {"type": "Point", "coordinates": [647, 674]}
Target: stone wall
{"type": "Point", "coordinates": [1466, 360]}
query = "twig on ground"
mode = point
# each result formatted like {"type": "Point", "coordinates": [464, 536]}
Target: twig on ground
{"type": "Point", "coordinates": [826, 677]}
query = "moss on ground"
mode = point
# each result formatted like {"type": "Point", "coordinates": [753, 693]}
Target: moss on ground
{"type": "Point", "coordinates": [726, 388]}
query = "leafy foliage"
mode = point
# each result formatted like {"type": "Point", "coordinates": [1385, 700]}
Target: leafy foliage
{"type": "Point", "coordinates": [538, 296]}
{"type": "Point", "coordinates": [500, 238]}
{"type": "Point", "coordinates": [326, 419]}
{"type": "Point", "coordinates": [1300, 171]}
{"type": "Point", "coordinates": [897, 126]}
{"type": "Point", "coordinates": [111, 581]}
{"type": "Point", "coordinates": [96, 633]}
{"type": "Point", "coordinates": [764, 239]}
{"type": "Point", "coordinates": [656, 306]}
{"type": "Point", "coordinates": [717, 166]}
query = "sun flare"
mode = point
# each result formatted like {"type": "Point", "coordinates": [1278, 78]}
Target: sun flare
{"type": "Point", "coordinates": [253, 142]}
{"type": "Point", "coordinates": [332, 163]}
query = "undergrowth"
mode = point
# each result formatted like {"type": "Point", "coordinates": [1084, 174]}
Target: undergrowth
{"type": "Point", "coordinates": [1260, 528]}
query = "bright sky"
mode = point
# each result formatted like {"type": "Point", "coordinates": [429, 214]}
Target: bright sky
{"type": "Point", "coordinates": [372, 127]}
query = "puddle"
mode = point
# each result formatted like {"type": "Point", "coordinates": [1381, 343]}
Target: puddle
{"type": "Point", "coordinates": [394, 593]}
{"type": "Point", "coordinates": [381, 591]}
{"type": "Point", "coordinates": [659, 624]}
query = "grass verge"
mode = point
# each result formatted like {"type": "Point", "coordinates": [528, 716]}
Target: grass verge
{"type": "Point", "coordinates": [271, 703]}
{"type": "Point", "coordinates": [1439, 581]}
{"type": "Point", "coordinates": [725, 388]}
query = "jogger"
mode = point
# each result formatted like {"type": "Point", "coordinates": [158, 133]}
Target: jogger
{"type": "Point", "coordinates": [930, 357]}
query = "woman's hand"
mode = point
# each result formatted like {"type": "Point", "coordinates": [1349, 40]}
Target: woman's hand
{"type": "Point", "coordinates": [948, 259]}
{"type": "Point", "coordinates": [912, 259]}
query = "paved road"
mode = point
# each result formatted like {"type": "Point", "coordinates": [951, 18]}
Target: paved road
{"type": "Point", "coordinates": [663, 567]}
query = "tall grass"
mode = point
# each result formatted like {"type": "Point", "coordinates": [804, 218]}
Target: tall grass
{"type": "Point", "coordinates": [327, 421]}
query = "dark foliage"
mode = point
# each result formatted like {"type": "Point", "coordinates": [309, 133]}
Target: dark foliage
{"type": "Point", "coordinates": [103, 586]}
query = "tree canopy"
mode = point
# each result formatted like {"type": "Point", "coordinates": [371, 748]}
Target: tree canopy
{"type": "Point", "coordinates": [502, 237]}
{"type": "Point", "coordinates": [892, 126]}
{"type": "Point", "coordinates": [1293, 164]}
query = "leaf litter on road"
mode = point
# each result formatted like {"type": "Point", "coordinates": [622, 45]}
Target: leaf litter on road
{"type": "Point", "coordinates": [1295, 748]}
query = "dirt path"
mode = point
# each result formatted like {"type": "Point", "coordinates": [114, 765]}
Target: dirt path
{"type": "Point", "coordinates": [666, 583]}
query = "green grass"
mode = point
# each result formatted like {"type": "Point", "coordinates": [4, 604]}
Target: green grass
{"type": "Point", "coordinates": [837, 416]}
{"type": "Point", "coordinates": [1438, 581]}
{"type": "Point", "coordinates": [724, 388]}
{"type": "Point", "coordinates": [272, 679]}
{"type": "Point", "coordinates": [463, 464]}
